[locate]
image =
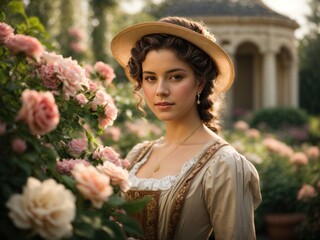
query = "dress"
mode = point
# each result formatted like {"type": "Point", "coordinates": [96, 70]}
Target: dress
{"type": "Point", "coordinates": [221, 197]}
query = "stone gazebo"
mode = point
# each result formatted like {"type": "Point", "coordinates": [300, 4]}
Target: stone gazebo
{"type": "Point", "coordinates": [261, 44]}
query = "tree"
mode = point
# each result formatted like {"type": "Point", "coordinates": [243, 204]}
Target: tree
{"type": "Point", "coordinates": [47, 12]}
{"type": "Point", "coordinates": [309, 50]}
{"type": "Point", "coordinates": [100, 27]}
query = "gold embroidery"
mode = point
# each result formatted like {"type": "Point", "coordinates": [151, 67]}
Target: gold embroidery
{"type": "Point", "coordinates": [142, 153]}
{"type": "Point", "coordinates": [182, 192]}
{"type": "Point", "coordinates": [148, 217]}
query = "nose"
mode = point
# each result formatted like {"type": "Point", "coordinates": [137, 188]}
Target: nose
{"type": "Point", "coordinates": [162, 88]}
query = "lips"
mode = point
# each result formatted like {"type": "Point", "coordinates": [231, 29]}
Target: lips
{"type": "Point", "coordinates": [164, 104]}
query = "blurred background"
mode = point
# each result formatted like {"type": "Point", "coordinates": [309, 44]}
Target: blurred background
{"type": "Point", "coordinates": [272, 112]}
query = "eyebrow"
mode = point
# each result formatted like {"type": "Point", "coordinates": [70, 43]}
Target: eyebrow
{"type": "Point", "coordinates": [169, 71]}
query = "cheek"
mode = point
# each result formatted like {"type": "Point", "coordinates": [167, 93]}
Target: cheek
{"type": "Point", "coordinates": [185, 90]}
{"type": "Point", "coordinates": [148, 93]}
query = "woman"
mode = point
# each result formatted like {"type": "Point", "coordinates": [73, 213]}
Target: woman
{"type": "Point", "coordinates": [198, 182]}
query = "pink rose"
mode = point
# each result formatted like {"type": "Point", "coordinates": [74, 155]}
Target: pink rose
{"type": "Point", "coordinates": [241, 126]}
{"type": "Point", "coordinates": [105, 71]}
{"type": "Point", "coordinates": [6, 32]}
{"type": "Point", "coordinates": [77, 33]}
{"type": "Point", "coordinates": [114, 133]}
{"type": "Point", "coordinates": [39, 111]}
{"type": "Point", "coordinates": [3, 127]}
{"type": "Point", "coordinates": [77, 47]}
{"type": "Point", "coordinates": [76, 147]}
{"type": "Point", "coordinates": [81, 99]}
{"type": "Point", "coordinates": [253, 133]}
{"type": "Point", "coordinates": [92, 184]}
{"type": "Point", "coordinates": [107, 154]}
{"type": "Point", "coordinates": [72, 76]}
{"type": "Point", "coordinates": [27, 45]}
{"type": "Point", "coordinates": [88, 70]}
{"type": "Point", "coordinates": [111, 113]}
{"type": "Point", "coordinates": [125, 164]}
{"type": "Point", "coordinates": [65, 166]}
{"type": "Point", "coordinates": [51, 58]}
{"type": "Point", "coordinates": [101, 99]}
{"type": "Point", "coordinates": [69, 72]}
{"type": "Point", "coordinates": [277, 146]}
{"type": "Point", "coordinates": [306, 192]}
{"type": "Point", "coordinates": [139, 128]}
{"type": "Point", "coordinates": [92, 86]}
{"type": "Point", "coordinates": [299, 158]}
{"type": "Point", "coordinates": [48, 76]}
{"type": "Point", "coordinates": [117, 174]}
{"type": "Point", "coordinates": [18, 145]}
{"type": "Point", "coordinates": [313, 152]}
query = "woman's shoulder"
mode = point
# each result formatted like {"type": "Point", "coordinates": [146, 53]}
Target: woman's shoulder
{"type": "Point", "coordinates": [228, 159]}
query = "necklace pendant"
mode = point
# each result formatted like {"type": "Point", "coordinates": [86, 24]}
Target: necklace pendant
{"type": "Point", "coordinates": [156, 168]}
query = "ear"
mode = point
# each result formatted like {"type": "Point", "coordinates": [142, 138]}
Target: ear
{"type": "Point", "coordinates": [201, 83]}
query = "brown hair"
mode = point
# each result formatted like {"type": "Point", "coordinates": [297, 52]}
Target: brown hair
{"type": "Point", "coordinates": [203, 66]}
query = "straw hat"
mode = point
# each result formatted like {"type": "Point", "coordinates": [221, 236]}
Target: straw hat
{"type": "Point", "coordinates": [125, 40]}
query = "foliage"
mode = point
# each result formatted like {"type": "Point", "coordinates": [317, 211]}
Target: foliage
{"type": "Point", "coordinates": [290, 124]}
{"type": "Point", "coordinates": [309, 72]}
{"type": "Point", "coordinates": [278, 117]}
{"type": "Point", "coordinates": [98, 33]}
{"type": "Point", "coordinates": [43, 126]}
{"type": "Point", "coordinates": [309, 49]}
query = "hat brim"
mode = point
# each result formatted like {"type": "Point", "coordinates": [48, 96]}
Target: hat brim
{"type": "Point", "coordinates": [125, 40]}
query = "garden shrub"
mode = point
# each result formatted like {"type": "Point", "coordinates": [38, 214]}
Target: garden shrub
{"type": "Point", "coordinates": [279, 117]}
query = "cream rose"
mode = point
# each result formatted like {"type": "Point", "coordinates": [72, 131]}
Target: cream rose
{"type": "Point", "coordinates": [92, 184]}
{"type": "Point", "coordinates": [39, 111]}
{"type": "Point", "coordinates": [46, 207]}
{"type": "Point", "coordinates": [118, 175]}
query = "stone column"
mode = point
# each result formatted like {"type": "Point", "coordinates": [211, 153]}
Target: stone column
{"type": "Point", "coordinates": [294, 85]}
{"type": "Point", "coordinates": [228, 111]}
{"type": "Point", "coordinates": [269, 85]}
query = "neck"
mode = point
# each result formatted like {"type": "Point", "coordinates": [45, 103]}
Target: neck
{"type": "Point", "coordinates": [176, 134]}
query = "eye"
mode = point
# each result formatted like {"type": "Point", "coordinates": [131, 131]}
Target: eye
{"type": "Point", "coordinates": [149, 78]}
{"type": "Point", "coordinates": [176, 77]}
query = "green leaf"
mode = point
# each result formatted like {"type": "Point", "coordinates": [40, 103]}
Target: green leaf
{"type": "Point", "coordinates": [130, 225]}
{"type": "Point", "coordinates": [68, 181]}
{"type": "Point", "coordinates": [35, 24]}
{"type": "Point", "coordinates": [111, 229]}
{"type": "Point", "coordinates": [2, 16]}
{"type": "Point", "coordinates": [135, 206]}
{"type": "Point", "coordinates": [83, 229]}
{"type": "Point", "coordinates": [17, 7]}
{"type": "Point", "coordinates": [115, 201]}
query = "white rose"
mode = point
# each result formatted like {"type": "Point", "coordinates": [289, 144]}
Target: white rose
{"type": "Point", "coordinates": [46, 207]}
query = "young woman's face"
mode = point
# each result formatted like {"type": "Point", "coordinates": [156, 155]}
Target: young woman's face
{"type": "Point", "coordinates": [169, 85]}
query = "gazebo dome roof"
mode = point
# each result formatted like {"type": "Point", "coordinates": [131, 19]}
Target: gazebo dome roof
{"type": "Point", "coordinates": [222, 8]}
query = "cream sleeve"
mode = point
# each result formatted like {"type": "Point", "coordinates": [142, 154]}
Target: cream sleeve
{"type": "Point", "coordinates": [231, 193]}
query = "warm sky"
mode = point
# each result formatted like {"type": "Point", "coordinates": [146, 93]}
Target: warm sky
{"type": "Point", "coordinates": [295, 9]}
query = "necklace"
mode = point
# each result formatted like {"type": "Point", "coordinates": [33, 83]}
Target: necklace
{"type": "Point", "coordinates": [157, 166]}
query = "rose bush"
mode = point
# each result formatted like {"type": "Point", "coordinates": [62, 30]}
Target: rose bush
{"type": "Point", "coordinates": [289, 175]}
{"type": "Point", "coordinates": [58, 180]}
